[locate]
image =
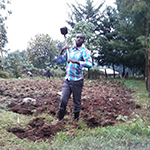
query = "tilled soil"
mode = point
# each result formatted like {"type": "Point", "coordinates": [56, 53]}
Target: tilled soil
{"type": "Point", "coordinates": [102, 102]}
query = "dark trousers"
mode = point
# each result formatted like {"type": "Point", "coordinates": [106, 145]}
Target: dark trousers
{"type": "Point", "coordinates": [69, 87]}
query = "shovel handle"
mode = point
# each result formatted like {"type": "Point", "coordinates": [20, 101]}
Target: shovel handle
{"type": "Point", "coordinates": [66, 44]}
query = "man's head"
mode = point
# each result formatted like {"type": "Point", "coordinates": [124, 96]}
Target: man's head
{"type": "Point", "coordinates": [79, 39]}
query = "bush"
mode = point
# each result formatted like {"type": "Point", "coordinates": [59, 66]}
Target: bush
{"type": "Point", "coordinates": [94, 73]}
{"type": "Point", "coordinates": [4, 74]}
{"type": "Point", "coordinates": [58, 72]}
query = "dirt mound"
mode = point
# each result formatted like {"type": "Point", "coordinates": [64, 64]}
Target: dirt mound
{"type": "Point", "coordinates": [37, 130]}
{"type": "Point", "coordinates": [102, 103]}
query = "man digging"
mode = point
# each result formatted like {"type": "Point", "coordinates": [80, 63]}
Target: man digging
{"type": "Point", "coordinates": [76, 58]}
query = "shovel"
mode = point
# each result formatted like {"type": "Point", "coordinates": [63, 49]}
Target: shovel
{"type": "Point", "coordinates": [64, 31]}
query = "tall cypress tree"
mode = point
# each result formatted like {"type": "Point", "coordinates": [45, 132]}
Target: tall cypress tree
{"type": "Point", "coordinates": [137, 13]}
{"type": "Point", "coordinates": [87, 12]}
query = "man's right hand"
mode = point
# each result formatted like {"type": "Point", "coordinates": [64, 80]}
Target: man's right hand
{"type": "Point", "coordinates": [64, 48]}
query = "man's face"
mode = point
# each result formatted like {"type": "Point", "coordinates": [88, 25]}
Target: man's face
{"type": "Point", "coordinates": [79, 40]}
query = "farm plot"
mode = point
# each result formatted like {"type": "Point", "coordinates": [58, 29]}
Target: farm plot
{"type": "Point", "coordinates": [102, 103]}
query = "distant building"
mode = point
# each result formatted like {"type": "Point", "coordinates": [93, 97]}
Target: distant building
{"type": "Point", "coordinates": [109, 71]}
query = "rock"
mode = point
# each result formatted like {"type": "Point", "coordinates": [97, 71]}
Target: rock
{"type": "Point", "coordinates": [28, 100]}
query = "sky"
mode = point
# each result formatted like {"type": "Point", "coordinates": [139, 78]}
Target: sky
{"type": "Point", "coordinates": [32, 17]}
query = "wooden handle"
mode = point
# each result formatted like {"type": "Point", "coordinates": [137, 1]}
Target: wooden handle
{"type": "Point", "coordinates": [67, 48]}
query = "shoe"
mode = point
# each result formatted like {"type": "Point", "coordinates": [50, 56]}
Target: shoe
{"type": "Point", "coordinates": [61, 115]}
{"type": "Point", "coordinates": [76, 116]}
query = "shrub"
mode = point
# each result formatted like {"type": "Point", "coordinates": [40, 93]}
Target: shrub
{"type": "Point", "coordinates": [94, 73]}
{"type": "Point", "coordinates": [4, 74]}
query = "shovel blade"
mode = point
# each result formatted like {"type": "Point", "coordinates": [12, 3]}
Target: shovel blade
{"type": "Point", "coordinates": [64, 30]}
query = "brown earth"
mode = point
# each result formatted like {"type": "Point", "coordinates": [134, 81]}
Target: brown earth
{"type": "Point", "coordinates": [102, 102]}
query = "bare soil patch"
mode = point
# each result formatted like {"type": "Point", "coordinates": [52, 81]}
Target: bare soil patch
{"type": "Point", "coordinates": [102, 103]}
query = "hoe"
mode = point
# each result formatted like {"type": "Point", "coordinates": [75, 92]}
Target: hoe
{"type": "Point", "coordinates": [64, 31]}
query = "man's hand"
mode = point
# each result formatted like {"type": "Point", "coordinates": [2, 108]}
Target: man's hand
{"type": "Point", "coordinates": [64, 48]}
{"type": "Point", "coordinates": [73, 61]}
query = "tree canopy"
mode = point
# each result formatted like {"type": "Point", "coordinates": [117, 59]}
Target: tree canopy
{"type": "Point", "coordinates": [115, 36]}
{"type": "Point", "coordinates": [3, 36]}
{"type": "Point", "coordinates": [41, 50]}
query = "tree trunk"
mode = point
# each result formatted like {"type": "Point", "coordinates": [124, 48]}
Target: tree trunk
{"type": "Point", "coordinates": [1, 47]}
{"type": "Point", "coordinates": [88, 76]}
{"type": "Point", "coordinates": [147, 73]}
{"type": "Point", "coordinates": [105, 73]}
{"type": "Point", "coordinates": [147, 61]}
{"type": "Point", "coordinates": [123, 71]}
{"type": "Point", "coordinates": [114, 71]}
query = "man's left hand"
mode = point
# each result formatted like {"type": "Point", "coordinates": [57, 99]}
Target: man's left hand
{"type": "Point", "coordinates": [73, 61]}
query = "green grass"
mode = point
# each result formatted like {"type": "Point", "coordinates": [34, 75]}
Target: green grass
{"type": "Point", "coordinates": [141, 97]}
{"type": "Point", "coordinates": [134, 134]}
{"type": "Point", "coordinates": [140, 88]}
{"type": "Point", "coordinates": [117, 137]}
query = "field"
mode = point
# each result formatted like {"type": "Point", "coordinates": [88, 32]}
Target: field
{"type": "Point", "coordinates": [115, 115]}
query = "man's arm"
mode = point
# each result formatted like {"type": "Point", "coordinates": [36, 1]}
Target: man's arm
{"type": "Point", "coordinates": [64, 48]}
{"type": "Point", "coordinates": [87, 60]}
{"type": "Point", "coordinates": [61, 58]}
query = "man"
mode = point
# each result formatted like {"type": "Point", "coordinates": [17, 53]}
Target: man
{"type": "Point", "coordinates": [29, 74]}
{"type": "Point", "coordinates": [78, 58]}
{"type": "Point", "coordinates": [48, 73]}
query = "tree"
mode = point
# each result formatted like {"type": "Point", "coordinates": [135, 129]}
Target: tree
{"type": "Point", "coordinates": [128, 46]}
{"type": "Point", "coordinates": [59, 44]}
{"type": "Point", "coordinates": [41, 50]}
{"type": "Point", "coordinates": [138, 14]}
{"type": "Point", "coordinates": [108, 54]}
{"type": "Point", "coordinates": [3, 37]}
{"type": "Point", "coordinates": [86, 12]}
{"type": "Point", "coordinates": [141, 10]}
{"type": "Point", "coordinates": [14, 64]}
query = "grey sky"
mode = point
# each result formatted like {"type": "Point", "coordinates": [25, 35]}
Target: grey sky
{"type": "Point", "coordinates": [31, 17]}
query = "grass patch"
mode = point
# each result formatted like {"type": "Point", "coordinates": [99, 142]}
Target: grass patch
{"type": "Point", "coordinates": [112, 137]}
{"type": "Point", "coordinates": [141, 97]}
